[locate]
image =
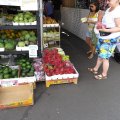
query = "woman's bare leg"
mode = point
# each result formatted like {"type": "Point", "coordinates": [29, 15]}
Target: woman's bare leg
{"type": "Point", "coordinates": [98, 64]}
{"type": "Point", "coordinates": [105, 67]}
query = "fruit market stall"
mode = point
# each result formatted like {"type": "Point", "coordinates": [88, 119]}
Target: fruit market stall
{"type": "Point", "coordinates": [30, 54]}
{"type": "Point", "coordinates": [20, 42]}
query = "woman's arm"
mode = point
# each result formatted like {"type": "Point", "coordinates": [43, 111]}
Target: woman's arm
{"type": "Point", "coordinates": [100, 15]}
{"type": "Point", "coordinates": [115, 29]}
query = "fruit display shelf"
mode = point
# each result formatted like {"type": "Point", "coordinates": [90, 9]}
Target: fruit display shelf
{"type": "Point", "coordinates": [60, 79]}
{"type": "Point", "coordinates": [51, 35]}
{"type": "Point", "coordinates": [6, 27]}
{"type": "Point", "coordinates": [13, 52]}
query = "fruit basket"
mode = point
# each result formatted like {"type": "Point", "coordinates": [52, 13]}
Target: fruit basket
{"type": "Point", "coordinates": [58, 68]}
{"type": "Point", "coordinates": [60, 79]}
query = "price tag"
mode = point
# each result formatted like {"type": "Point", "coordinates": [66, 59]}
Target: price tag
{"type": "Point", "coordinates": [33, 51]}
{"type": "Point", "coordinates": [45, 45]}
{"type": "Point", "coordinates": [26, 5]}
{"type": "Point", "coordinates": [51, 42]}
{"type": "Point", "coordinates": [9, 83]}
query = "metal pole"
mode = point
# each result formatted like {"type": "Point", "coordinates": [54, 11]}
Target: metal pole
{"type": "Point", "coordinates": [40, 27]}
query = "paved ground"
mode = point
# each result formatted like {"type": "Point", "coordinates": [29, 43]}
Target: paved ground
{"type": "Point", "coordinates": [88, 100]}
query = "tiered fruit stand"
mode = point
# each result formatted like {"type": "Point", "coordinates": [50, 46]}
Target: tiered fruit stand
{"type": "Point", "coordinates": [50, 65]}
{"type": "Point", "coordinates": [12, 83]}
{"type": "Point", "coordinates": [51, 33]}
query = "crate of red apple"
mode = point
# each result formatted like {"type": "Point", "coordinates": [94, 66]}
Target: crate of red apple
{"type": "Point", "coordinates": [58, 67]}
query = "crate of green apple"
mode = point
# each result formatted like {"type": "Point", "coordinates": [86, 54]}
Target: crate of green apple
{"type": "Point", "coordinates": [24, 18]}
{"type": "Point", "coordinates": [57, 65]}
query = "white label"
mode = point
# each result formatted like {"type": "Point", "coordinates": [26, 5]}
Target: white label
{"type": "Point", "coordinates": [9, 83]}
{"type": "Point", "coordinates": [51, 42]}
{"type": "Point", "coordinates": [29, 5]}
{"type": "Point", "coordinates": [45, 45]}
{"type": "Point", "coordinates": [33, 51]}
{"type": "Point", "coordinates": [10, 2]}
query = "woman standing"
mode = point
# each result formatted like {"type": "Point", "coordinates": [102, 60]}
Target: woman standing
{"type": "Point", "coordinates": [109, 33]}
{"type": "Point", "coordinates": [92, 19]}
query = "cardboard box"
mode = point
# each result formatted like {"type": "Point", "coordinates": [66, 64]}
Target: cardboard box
{"type": "Point", "coordinates": [16, 96]}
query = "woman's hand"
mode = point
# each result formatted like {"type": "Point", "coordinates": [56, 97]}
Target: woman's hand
{"type": "Point", "coordinates": [104, 29]}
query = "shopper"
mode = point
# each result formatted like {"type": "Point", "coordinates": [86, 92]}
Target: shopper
{"type": "Point", "coordinates": [57, 9]}
{"type": "Point", "coordinates": [48, 8]}
{"type": "Point", "coordinates": [109, 33]}
{"type": "Point", "coordinates": [92, 19]}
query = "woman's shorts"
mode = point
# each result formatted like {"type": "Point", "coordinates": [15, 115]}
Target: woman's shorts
{"type": "Point", "coordinates": [105, 47]}
{"type": "Point", "coordinates": [89, 34]}
{"type": "Point", "coordinates": [93, 37]}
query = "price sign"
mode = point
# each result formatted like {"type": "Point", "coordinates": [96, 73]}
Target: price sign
{"type": "Point", "coordinates": [51, 42]}
{"type": "Point", "coordinates": [33, 51]}
{"type": "Point", "coordinates": [29, 5]}
{"type": "Point", "coordinates": [9, 83]}
{"type": "Point", "coordinates": [10, 2]}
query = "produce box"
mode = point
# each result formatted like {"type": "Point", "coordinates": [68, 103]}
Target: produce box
{"type": "Point", "coordinates": [60, 79]}
{"type": "Point", "coordinates": [16, 96]}
{"type": "Point", "coordinates": [7, 82]}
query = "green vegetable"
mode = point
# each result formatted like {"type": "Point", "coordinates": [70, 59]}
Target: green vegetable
{"type": "Point", "coordinates": [21, 44]}
{"type": "Point", "coordinates": [1, 45]}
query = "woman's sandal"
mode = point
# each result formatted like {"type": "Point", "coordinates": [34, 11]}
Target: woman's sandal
{"type": "Point", "coordinates": [100, 77]}
{"type": "Point", "coordinates": [91, 56]}
{"type": "Point", "coordinates": [93, 71]}
{"type": "Point", "coordinates": [89, 52]}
